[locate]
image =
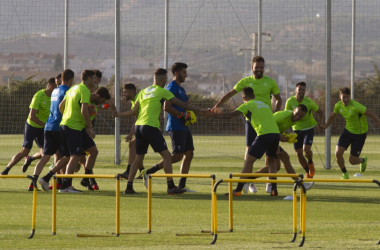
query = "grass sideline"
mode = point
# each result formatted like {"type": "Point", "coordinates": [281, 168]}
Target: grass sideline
{"type": "Point", "coordinates": [339, 216]}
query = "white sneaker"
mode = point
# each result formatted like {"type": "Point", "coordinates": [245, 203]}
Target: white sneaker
{"type": "Point", "coordinates": [44, 184]}
{"type": "Point", "coordinates": [69, 190]}
{"type": "Point", "coordinates": [245, 188]}
{"type": "Point", "coordinates": [252, 188]}
{"type": "Point", "coordinates": [308, 185]}
{"type": "Point", "coordinates": [268, 188]}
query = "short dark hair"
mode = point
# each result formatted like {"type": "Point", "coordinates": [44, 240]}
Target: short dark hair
{"type": "Point", "coordinates": [98, 73]}
{"type": "Point", "coordinates": [160, 72]}
{"type": "Point", "coordinates": [51, 81]}
{"type": "Point", "coordinates": [86, 74]}
{"type": "Point", "coordinates": [302, 107]}
{"type": "Point", "coordinates": [178, 66]}
{"type": "Point", "coordinates": [345, 90]}
{"type": "Point", "coordinates": [130, 86]}
{"type": "Point", "coordinates": [258, 59]}
{"type": "Point", "coordinates": [58, 76]}
{"type": "Point", "coordinates": [301, 84]}
{"type": "Point", "coordinates": [248, 92]}
{"type": "Point", "coordinates": [67, 74]}
{"type": "Point", "coordinates": [103, 93]}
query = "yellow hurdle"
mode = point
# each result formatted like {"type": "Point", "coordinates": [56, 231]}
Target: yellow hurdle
{"type": "Point", "coordinates": [54, 201]}
{"type": "Point", "coordinates": [187, 176]}
{"type": "Point", "coordinates": [297, 183]}
{"type": "Point", "coordinates": [34, 206]}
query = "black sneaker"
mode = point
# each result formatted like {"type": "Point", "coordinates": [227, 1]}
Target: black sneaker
{"type": "Point", "coordinates": [5, 171]}
{"type": "Point", "coordinates": [85, 182]}
{"type": "Point", "coordinates": [124, 175]}
{"type": "Point", "coordinates": [132, 191]}
{"type": "Point", "coordinates": [176, 190]}
{"type": "Point", "coordinates": [140, 177]}
{"type": "Point", "coordinates": [27, 162]}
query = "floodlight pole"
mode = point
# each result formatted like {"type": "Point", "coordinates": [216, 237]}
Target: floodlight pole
{"type": "Point", "coordinates": [353, 49]}
{"type": "Point", "coordinates": [117, 81]}
{"type": "Point", "coordinates": [66, 37]}
{"type": "Point", "coordinates": [328, 85]}
{"type": "Point", "coordinates": [166, 49]}
{"type": "Point", "coordinates": [259, 28]}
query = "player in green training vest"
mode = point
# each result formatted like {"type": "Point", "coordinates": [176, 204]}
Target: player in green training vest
{"type": "Point", "coordinates": [284, 119]}
{"type": "Point", "coordinates": [34, 126]}
{"type": "Point", "coordinates": [304, 128]}
{"type": "Point", "coordinates": [147, 108]}
{"type": "Point", "coordinates": [354, 133]}
{"type": "Point", "coordinates": [263, 86]}
{"type": "Point", "coordinates": [268, 134]}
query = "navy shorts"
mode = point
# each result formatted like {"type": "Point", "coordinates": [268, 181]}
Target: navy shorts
{"type": "Point", "coordinates": [182, 141]}
{"type": "Point", "coordinates": [33, 134]}
{"type": "Point", "coordinates": [355, 140]}
{"type": "Point", "coordinates": [73, 142]}
{"type": "Point", "coordinates": [147, 135]}
{"type": "Point", "coordinates": [305, 137]}
{"type": "Point", "coordinates": [52, 141]}
{"type": "Point", "coordinates": [267, 143]}
{"type": "Point", "coordinates": [250, 133]}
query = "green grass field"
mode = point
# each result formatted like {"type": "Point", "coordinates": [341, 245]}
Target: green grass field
{"type": "Point", "coordinates": [339, 216]}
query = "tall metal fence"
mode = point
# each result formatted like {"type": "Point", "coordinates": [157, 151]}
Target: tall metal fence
{"type": "Point", "coordinates": [217, 39]}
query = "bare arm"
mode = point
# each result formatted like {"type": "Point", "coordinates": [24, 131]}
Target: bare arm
{"type": "Point", "coordinates": [132, 112]}
{"type": "Point", "coordinates": [331, 118]}
{"type": "Point", "coordinates": [224, 99]}
{"type": "Point", "coordinates": [278, 102]}
{"type": "Point", "coordinates": [62, 106]}
{"type": "Point", "coordinates": [228, 115]}
{"type": "Point", "coordinates": [186, 106]}
{"type": "Point", "coordinates": [373, 116]}
{"type": "Point", "coordinates": [169, 108]}
{"type": "Point", "coordinates": [33, 117]}
{"type": "Point", "coordinates": [321, 114]}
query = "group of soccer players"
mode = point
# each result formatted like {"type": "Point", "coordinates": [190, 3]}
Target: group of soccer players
{"type": "Point", "coordinates": [70, 124]}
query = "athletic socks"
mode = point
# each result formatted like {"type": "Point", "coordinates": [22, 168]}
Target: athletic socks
{"type": "Point", "coordinates": [59, 181]}
{"type": "Point", "coordinates": [48, 176]}
{"type": "Point", "coordinates": [306, 169]}
{"type": "Point", "coordinates": [153, 169]}
{"type": "Point", "coordinates": [129, 185]}
{"type": "Point", "coordinates": [239, 187]}
{"type": "Point", "coordinates": [274, 186]}
{"type": "Point", "coordinates": [171, 184]}
{"type": "Point", "coordinates": [128, 168]}
{"type": "Point", "coordinates": [35, 178]}
{"type": "Point", "coordinates": [182, 182]}
{"type": "Point", "coordinates": [92, 180]}
{"type": "Point", "coordinates": [310, 161]}
{"type": "Point", "coordinates": [344, 170]}
{"type": "Point", "coordinates": [66, 182]}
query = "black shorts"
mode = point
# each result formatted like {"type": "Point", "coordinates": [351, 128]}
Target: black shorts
{"type": "Point", "coordinates": [73, 142]}
{"type": "Point", "coordinates": [52, 141]}
{"type": "Point", "coordinates": [355, 140]}
{"type": "Point", "coordinates": [267, 143]}
{"type": "Point", "coordinates": [33, 134]}
{"type": "Point", "coordinates": [147, 135]}
{"type": "Point", "coordinates": [182, 141]}
{"type": "Point", "coordinates": [250, 133]}
{"type": "Point", "coordinates": [305, 137]}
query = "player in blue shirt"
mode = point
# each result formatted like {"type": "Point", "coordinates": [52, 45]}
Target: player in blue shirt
{"type": "Point", "coordinates": [51, 133]}
{"type": "Point", "coordinates": [182, 140]}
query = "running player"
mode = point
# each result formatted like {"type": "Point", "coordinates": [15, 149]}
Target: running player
{"type": "Point", "coordinates": [130, 93]}
{"type": "Point", "coordinates": [268, 134]}
{"type": "Point", "coordinates": [355, 131]}
{"type": "Point", "coordinates": [76, 132]}
{"type": "Point", "coordinates": [34, 126]}
{"type": "Point", "coordinates": [147, 109]}
{"type": "Point", "coordinates": [304, 128]}
{"type": "Point", "coordinates": [51, 132]}
{"type": "Point", "coordinates": [263, 87]}
{"type": "Point", "coordinates": [182, 140]}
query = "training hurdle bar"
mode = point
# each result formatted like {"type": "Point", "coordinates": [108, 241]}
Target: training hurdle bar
{"type": "Point", "coordinates": [34, 206]}
{"type": "Point", "coordinates": [344, 180]}
{"type": "Point", "coordinates": [54, 201]}
{"type": "Point", "coordinates": [213, 197]}
{"type": "Point", "coordinates": [296, 184]}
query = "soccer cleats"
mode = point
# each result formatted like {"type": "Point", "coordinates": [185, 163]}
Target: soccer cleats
{"type": "Point", "coordinates": [363, 165]}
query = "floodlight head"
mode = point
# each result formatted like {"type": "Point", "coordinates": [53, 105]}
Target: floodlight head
{"type": "Point", "coordinates": [240, 53]}
{"type": "Point", "coordinates": [269, 38]}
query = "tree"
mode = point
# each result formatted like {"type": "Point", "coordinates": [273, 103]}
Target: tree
{"type": "Point", "coordinates": [58, 62]}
